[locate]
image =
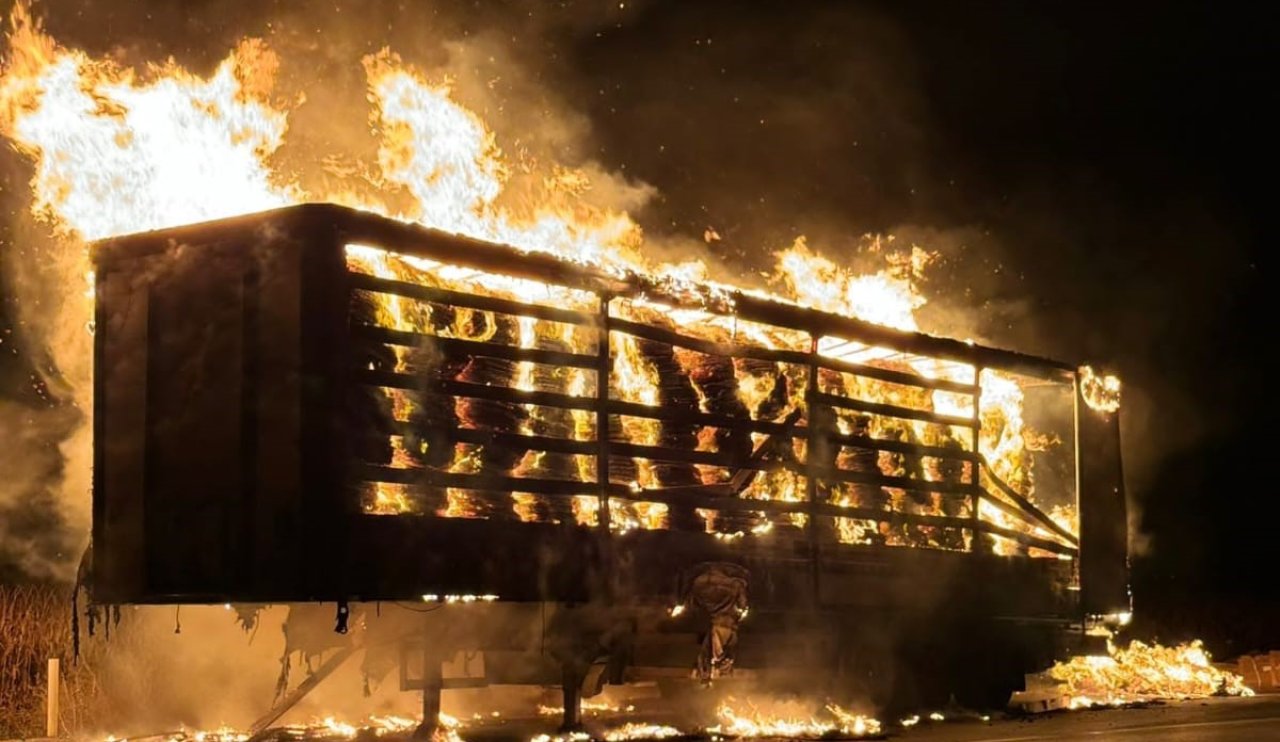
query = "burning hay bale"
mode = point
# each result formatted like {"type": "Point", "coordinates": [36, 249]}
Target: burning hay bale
{"type": "Point", "coordinates": [1143, 670]}
{"type": "Point", "coordinates": [1137, 673]}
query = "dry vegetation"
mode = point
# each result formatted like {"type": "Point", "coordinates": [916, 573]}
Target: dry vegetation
{"type": "Point", "coordinates": [35, 624]}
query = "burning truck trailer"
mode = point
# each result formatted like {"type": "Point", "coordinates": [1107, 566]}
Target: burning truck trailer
{"type": "Point", "coordinates": [605, 477]}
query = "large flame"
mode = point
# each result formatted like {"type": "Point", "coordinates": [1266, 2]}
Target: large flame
{"type": "Point", "coordinates": [1142, 672]}
{"type": "Point", "coordinates": [114, 153]}
{"type": "Point", "coordinates": [117, 150]}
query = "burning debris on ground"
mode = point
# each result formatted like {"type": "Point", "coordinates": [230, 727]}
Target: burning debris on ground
{"type": "Point", "coordinates": [589, 707]}
{"type": "Point", "coordinates": [1140, 671]}
{"type": "Point", "coordinates": [737, 720]}
{"type": "Point", "coordinates": [1132, 675]}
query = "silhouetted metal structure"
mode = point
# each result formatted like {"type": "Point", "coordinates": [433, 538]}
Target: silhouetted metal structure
{"type": "Point", "coordinates": [241, 421]}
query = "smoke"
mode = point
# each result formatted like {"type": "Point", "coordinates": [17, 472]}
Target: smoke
{"type": "Point", "coordinates": [38, 537]}
{"type": "Point", "coordinates": [47, 450]}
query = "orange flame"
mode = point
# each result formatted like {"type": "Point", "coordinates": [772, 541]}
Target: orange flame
{"type": "Point", "coordinates": [117, 150]}
{"type": "Point", "coordinates": [1142, 672]}
{"type": "Point", "coordinates": [1100, 391]}
{"type": "Point", "coordinates": [745, 719]}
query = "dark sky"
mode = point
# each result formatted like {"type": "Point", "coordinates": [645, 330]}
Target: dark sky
{"type": "Point", "coordinates": [1093, 176]}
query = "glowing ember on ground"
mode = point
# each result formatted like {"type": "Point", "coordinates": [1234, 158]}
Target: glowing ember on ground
{"type": "Point", "coordinates": [569, 737]}
{"type": "Point", "coordinates": [789, 720]}
{"type": "Point", "coordinates": [327, 728]}
{"type": "Point", "coordinates": [223, 734]}
{"type": "Point", "coordinates": [1143, 672]}
{"type": "Point", "coordinates": [589, 707]}
{"type": "Point", "coordinates": [641, 731]}
{"type": "Point", "coordinates": [338, 728]}
{"type": "Point", "coordinates": [851, 723]}
{"type": "Point", "coordinates": [447, 731]}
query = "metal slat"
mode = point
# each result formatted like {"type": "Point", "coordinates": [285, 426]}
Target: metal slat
{"type": "Point", "coordinates": [1027, 506]}
{"type": "Point", "coordinates": [409, 382]}
{"type": "Point", "coordinates": [711, 347]}
{"type": "Point", "coordinates": [473, 347]}
{"type": "Point", "coordinates": [515, 441]}
{"type": "Point", "coordinates": [708, 419]}
{"type": "Point", "coordinates": [938, 452]}
{"type": "Point", "coordinates": [480, 482]}
{"type": "Point", "coordinates": [366, 282]}
{"type": "Point", "coordinates": [1015, 512]}
{"type": "Point", "coordinates": [1029, 540]}
{"type": "Point", "coordinates": [883, 480]}
{"type": "Point", "coordinates": [604, 364]}
{"type": "Point", "coordinates": [889, 410]}
{"type": "Point", "coordinates": [895, 377]}
{"type": "Point", "coordinates": [682, 455]}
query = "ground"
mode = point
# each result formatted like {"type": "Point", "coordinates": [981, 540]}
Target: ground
{"type": "Point", "coordinates": [1210, 720]}
{"type": "Point", "coordinates": [1216, 719]}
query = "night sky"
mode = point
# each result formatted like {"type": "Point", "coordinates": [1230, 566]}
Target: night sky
{"type": "Point", "coordinates": [1092, 176]}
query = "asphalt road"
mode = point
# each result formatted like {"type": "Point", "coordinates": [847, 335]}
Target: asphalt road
{"type": "Point", "coordinates": [1212, 720]}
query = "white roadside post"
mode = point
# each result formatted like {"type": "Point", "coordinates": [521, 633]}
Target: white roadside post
{"type": "Point", "coordinates": [51, 700]}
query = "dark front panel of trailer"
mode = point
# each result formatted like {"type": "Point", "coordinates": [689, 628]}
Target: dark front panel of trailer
{"type": "Point", "coordinates": [194, 484]}
{"type": "Point", "coordinates": [197, 490]}
{"type": "Point", "coordinates": [120, 385]}
{"type": "Point", "coordinates": [1104, 552]}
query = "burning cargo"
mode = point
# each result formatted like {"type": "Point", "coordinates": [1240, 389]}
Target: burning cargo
{"type": "Point", "coordinates": [321, 404]}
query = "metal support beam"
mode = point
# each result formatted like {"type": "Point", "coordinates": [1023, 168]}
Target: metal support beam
{"type": "Point", "coordinates": [257, 732]}
{"type": "Point", "coordinates": [975, 473]}
{"type": "Point", "coordinates": [571, 686]}
{"type": "Point", "coordinates": [432, 685]}
{"type": "Point", "coordinates": [811, 481]}
{"type": "Point", "coordinates": [604, 365]}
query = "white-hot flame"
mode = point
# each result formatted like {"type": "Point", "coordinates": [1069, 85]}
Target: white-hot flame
{"type": "Point", "coordinates": [117, 150]}
{"type": "Point", "coordinates": [1143, 671]}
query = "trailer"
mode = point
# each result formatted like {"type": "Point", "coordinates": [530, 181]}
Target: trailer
{"type": "Point", "coordinates": [317, 404]}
